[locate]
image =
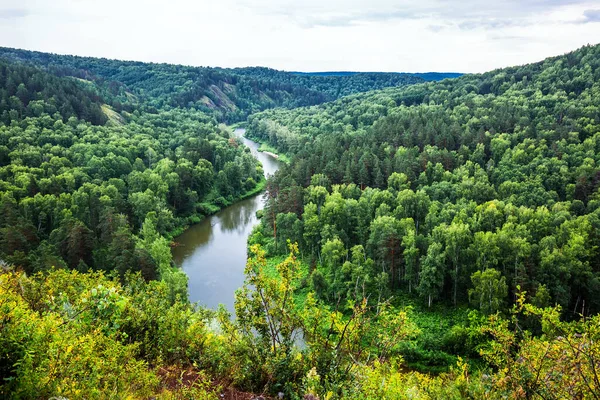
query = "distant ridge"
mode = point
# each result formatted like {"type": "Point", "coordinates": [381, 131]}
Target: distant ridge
{"type": "Point", "coordinates": [228, 94]}
{"type": "Point", "coordinates": [428, 76]}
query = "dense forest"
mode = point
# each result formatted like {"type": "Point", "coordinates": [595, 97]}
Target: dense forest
{"type": "Point", "coordinates": [228, 94]}
{"type": "Point", "coordinates": [433, 241]}
{"type": "Point", "coordinates": [491, 176]}
{"type": "Point", "coordinates": [79, 180]}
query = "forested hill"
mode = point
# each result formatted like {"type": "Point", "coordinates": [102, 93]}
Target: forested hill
{"type": "Point", "coordinates": [335, 85]}
{"type": "Point", "coordinates": [228, 94]}
{"type": "Point", "coordinates": [79, 180]}
{"type": "Point", "coordinates": [497, 172]}
{"type": "Point", "coordinates": [29, 91]}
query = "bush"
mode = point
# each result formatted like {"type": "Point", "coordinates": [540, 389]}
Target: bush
{"type": "Point", "coordinates": [67, 343]}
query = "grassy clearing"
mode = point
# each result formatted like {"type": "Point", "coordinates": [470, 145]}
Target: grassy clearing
{"type": "Point", "coordinates": [441, 339]}
{"type": "Point", "coordinates": [114, 117]}
{"type": "Point", "coordinates": [301, 286]}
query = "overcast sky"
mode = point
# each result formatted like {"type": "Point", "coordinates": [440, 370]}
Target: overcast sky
{"type": "Point", "coordinates": [306, 35]}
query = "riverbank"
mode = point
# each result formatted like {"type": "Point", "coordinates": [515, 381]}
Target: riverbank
{"type": "Point", "coordinates": [271, 151]}
{"type": "Point", "coordinates": [209, 209]}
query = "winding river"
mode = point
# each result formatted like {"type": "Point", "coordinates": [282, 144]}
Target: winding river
{"type": "Point", "coordinates": [213, 252]}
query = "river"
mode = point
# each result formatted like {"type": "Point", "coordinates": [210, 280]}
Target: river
{"type": "Point", "coordinates": [213, 252]}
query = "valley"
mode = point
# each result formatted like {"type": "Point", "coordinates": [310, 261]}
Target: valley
{"type": "Point", "coordinates": [428, 235]}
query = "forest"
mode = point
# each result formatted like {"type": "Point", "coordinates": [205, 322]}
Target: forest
{"type": "Point", "coordinates": [494, 174]}
{"type": "Point", "coordinates": [428, 239]}
{"type": "Point", "coordinates": [230, 95]}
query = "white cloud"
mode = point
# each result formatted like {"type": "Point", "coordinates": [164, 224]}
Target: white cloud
{"type": "Point", "coordinates": [309, 35]}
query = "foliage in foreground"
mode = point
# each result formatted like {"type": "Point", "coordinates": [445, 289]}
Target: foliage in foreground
{"type": "Point", "coordinates": [86, 335]}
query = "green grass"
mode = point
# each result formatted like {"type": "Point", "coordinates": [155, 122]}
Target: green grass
{"type": "Point", "coordinates": [444, 336]}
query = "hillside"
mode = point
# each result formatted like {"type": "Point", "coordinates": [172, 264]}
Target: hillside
{"type": "Point", "coordinates": [79, 180]}
{"type": "Point", "coordinates": [428, 76]}
{"type": "Point", "coordinates": [29, 92]}
{"type": "Point", "coordinates": [228, 94]}
{"type": "Point", "coordinates": [497, 171]}
{"type": "Point", "coordinates": [333, 85]}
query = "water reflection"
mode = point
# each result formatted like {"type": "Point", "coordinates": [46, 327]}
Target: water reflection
{"type": "Point", "coordinates": [239, 215]}
{"type": "Point", "coordinates": [213, 252]}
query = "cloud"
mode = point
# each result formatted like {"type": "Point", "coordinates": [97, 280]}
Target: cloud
{"type": "Point", "coordinates": [487, 23]}
{"type": "Point", "coordinates": [307, 35]}
{"type": "Point", "coordinates": [352, 19]}
{"type": "Point", "coordinates": [13, 13]}
{"type": "Point", "coordinates": [465, 14]}
{"type": "Point", "coordinates": [436, 28]}
{"type": "Point", "coordinates": [509, 38]}
{"type": "Point", "coordinates": [591, 16]}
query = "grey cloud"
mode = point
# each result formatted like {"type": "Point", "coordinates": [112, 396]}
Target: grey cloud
{"type": "Point", "coordinates": [436, 28]}
{"type": "Point", "coordinates": [350, 19]}
{"type": "Point", "coordinates": [512, 38]}
{"type": "Point", "coordinates": [465, 14]}
{"type": "Point", "coordinates": [13, 13]}
{"type": "Point", "coordinates": [488, 23]}
{"type": "Point", "coordinates": [591, 16]}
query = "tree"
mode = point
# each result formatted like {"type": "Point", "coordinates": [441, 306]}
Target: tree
{"type": "Point", "coordinates": [266, 311]}
{"type": "Point", "coordinates": [489, 290]}
{"type": "Point", "coordinates": [334, 253]}
{"type": "Point", "coordinates": [398, 182]}
{"type": "Point", "coordinates": [384, 242]}
{"type": "Point", "coordinates": [457, 237]}
{"type": "Point", "coordinates": [514, 249]}
{"type": "Point", "coordinates": [411, 258]}
{"type": "Point", "coordinates": [486, 250]}
{"type": "Point", "coordinates": [431, 279]}
{"type": "Point", "coordinates": [234, 177]}
{"type": "Point", "coordinates": [75, 242]}
{"type": "Point", "coordinates": [287, 229]}
{"type": "Point", "coordinates": [312, 229]}
{"type": "Point", "coordinates": [158, 248]}
{"type": "Point", "coordinates": [413, 205]}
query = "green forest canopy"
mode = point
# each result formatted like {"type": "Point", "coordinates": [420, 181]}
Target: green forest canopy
{"type": "Point", "coordinates": [228, 94]}
{"type": "Point", "coordinates": [476, 196]}
{"type": "Point", "coordinates": [440, 180]}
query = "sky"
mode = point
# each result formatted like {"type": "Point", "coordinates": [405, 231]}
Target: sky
{"type": "Point", "coordinates": [307, 35]}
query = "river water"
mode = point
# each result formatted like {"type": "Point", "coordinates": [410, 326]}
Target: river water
{"type": "Point", "coordinates": [213, 252]}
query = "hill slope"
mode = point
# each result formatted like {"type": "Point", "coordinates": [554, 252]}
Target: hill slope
{"type": "Point", "coordinates": [229, 94]}
{"type": "Point", "coordinates": [510, 156]}
{"type": "Point", "coordinates": [79, 180]}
